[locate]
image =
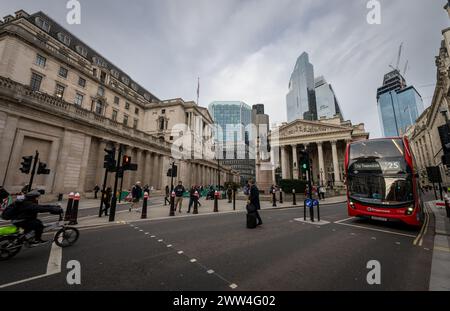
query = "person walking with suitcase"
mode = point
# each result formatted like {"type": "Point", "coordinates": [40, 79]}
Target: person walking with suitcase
{"type": "Point", "coordinates": [253, 202]}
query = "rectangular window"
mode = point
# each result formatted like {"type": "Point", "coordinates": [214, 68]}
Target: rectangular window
{"type": "Point", "coordinates": [101, 91]}
{"type": "Point", "coordinates": [59, 91]}
{"type": "Point", "coordinates": [125, 119]}
{"type": "Point", "coordinates": [63, 72]}
{"type": "Point", "coordinates": [136, 110]}
{"type": "Point", "coordinates": [99, 107]}
{"type": "Point", "coordinates": [114, 115]}
{"type": "Point", "coordinates": [116, 100]}
{"type": "Point", "coordinates": [102, 76]}
{"type": "Point", "coordinates": [127, 106]}
{"type": "Point", "coordinates": [135, 123]}
{"type": "Point", "coordinates": [163, 111]}
{"type": "Point", "coordinates": [94, 72]}
{"type": "Point", "coordinates": [35, 82]}
{"type": "Point", "coordinates": [40, 60]}
{"type": "Point", "coordinates": [78, 99]}
{"type": "Point", "coordinates": [81, 82]}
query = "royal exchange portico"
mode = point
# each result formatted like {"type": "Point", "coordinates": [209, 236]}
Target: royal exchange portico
{"type": "Point", "coordinates": [326, 140]}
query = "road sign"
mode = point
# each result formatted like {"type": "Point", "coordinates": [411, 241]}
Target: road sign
{"type": "Point", "coordinates": [308, 202]}
{"type": "Point", "coordinates": [315, 202]}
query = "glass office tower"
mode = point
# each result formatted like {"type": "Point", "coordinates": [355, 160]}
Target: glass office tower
{"type": "Point", "coordinates": [398, 105]}
{"type": "Point", "coordinates": [234, 119]}
{"type": "Point", "coordinates": [327, 103]}
{"type": "Point", "coordinates": [301, 98]}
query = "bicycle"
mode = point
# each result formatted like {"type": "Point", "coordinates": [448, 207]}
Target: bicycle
{"type": "Point", "coordinates": [13, 238]}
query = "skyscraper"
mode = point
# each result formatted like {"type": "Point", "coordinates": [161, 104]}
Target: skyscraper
{"type": "Point", "coordinates": [234, 139]}
{"type": "Point", "coordinates": [301, 98]}
{"type": "Point", "coordinates": [398, 105]}
{"type": "Point", "coordinates": [327, 103]}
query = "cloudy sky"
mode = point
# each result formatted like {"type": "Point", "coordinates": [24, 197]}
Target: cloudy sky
{"type": "Point", "coordinates": [246, 50]}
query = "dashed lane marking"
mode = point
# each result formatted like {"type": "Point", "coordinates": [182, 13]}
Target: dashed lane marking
{"type": "Point", "coordinates": [233, 286]}
{"type": "Point", "coordinates": [210, 271]}
{"type": "Point", "coordinates": [193, 260]}
{"type": "Point", "coordinates": [170, 245]}
{"type": "Point", "coordinates": [180, 252]}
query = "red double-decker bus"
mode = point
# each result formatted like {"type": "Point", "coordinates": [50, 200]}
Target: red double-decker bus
{"type": "Point", "coordinates": [382, 183]}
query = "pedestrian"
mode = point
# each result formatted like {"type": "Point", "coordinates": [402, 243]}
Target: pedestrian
{"type": "Point", "coordinates": [229, 193]}
{"type": "Point", "coordinates": [179, 191]}
{"type": "Point", "coordinates": [191, 198]}
{"type": "Point", "coordinates": [322, 192]}
{"type": "Point", "coordinates": [166, 198]}
{"type": "Point", "coordinates": [146, 189]}
{"type": "Point", "coordinates": [107, 200]}
{"type": "Point", "coordinates": [96, 190]}
{"type": "Point", "coordinates": [253, 199]}
{"type": "Point", "coordinates": [136, 194]}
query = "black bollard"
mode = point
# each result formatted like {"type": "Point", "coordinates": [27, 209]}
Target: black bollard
{"type": "Point", "coordinates": [74, 216]}
{"type": "Point", "coordinates": [144, 206]}
{"type": "Point", "coordinates": [311, 212]}
{"type": "Point", "coordinates": [216, 201]}
{"type": "Point", "coordinates": [294, 202]}
{"type": "Point", "coordinates": [274, 198]}
{"type": "Point", "coordinates": [318, 212]}
{"type": "Point", "coordinates": [234, 200]}
{"type": "Point", "coordinates": [304, 210]}
{"type": "Point", "coordinates": [196, 195]}
{"type": "Point", "coordinates": [281, 196]}
{"type": "Point", "coordinates": [172, 204]}
{"type": "Point", "coordinates": [68, 214]}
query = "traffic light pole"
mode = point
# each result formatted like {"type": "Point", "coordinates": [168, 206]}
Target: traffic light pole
{"type": "Point", "coordinates": [33, 170]}
{"type": "Point", "coordinates": [171, 176]}
{"type": "Point", "coordinates": [112, 213]}
{"type": "Point", "coordinates": [100, 212]}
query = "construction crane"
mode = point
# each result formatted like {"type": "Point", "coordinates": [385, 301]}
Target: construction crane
{"type": "Point", "coordinates": [398, 58]}
{"type": "Point", "coordinates": [406, 67]}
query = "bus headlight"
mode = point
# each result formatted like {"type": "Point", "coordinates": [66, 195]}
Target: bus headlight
{"type": "Point", "coordinates": [409, 210]}
{"type": "Point", "coordinates": [352, 205]}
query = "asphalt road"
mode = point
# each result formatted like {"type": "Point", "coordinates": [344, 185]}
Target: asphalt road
{"type": "Point", "coordinates": [217, 252]}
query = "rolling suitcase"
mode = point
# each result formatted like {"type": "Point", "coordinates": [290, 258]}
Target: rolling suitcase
{"type": "Point", "coordinates": [251, 220]}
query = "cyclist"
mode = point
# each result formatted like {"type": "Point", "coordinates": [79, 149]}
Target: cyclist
{"type": "Point", "coordinates": [24, 214]}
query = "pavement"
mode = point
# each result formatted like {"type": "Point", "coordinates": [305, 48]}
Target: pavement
{"type": "Point", "coordinates": [156, 210]}
{"type": "Point", "coordinates": [215, 251]}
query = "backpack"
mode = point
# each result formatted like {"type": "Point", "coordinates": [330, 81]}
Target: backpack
{"type": "Point", "coordinates": [8, 212]}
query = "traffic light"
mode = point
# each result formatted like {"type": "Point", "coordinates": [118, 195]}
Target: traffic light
{"type": "Point", "coordinates": [169, 172]}
{"type": "Point", "coordinates": [26, 164]}
{"type": "Point", "coordinates": [110, 159]}
{"type": "Point", "coordinates": [42, 169]}
{"type": "Point", "coordinates": [304, 162]}
{"type": "Point", "coordinates": [127, 165]}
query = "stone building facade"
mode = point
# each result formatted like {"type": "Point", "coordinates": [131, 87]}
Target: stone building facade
{"type": "Point", "coordinates": [60, 97]}
{"type": "Point", "coordinates": [326, 140]}
{"type": "Point", "coordinates": [424, 135]}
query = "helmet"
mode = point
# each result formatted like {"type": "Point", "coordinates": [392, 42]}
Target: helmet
{"type": "Point", "coordinates": [32, 194]}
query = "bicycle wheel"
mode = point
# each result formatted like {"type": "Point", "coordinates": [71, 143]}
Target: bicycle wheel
{"type": "Point", "coordinates": [9, 247]}
{"type": "Point", "coordinates": [66, 236]}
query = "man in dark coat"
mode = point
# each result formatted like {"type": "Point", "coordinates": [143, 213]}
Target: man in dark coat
{"type": "Point", "coordinates": [25, 212]}
{"type": "Point", "coordinates": [254, 199]}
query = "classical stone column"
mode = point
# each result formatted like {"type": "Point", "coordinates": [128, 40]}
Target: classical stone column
{"type": "Point", "coordinates": [284, 163]}
{"type": "Point", "coordinates": [157, 175]}
{"type": "Point", "coordinates": [7, 143]}
{"type": "Point", "coordinates": [337, 177]}
{"type": "Point", "coordinates": [139, 172]}
{"type": "Point", "coordinates": [84, 163]}
{"type": "Point", "coordinates": [147, 178]}
{"type": "Point", "coordinates": [294, 162]}
{"type": "Point", "coordinates": [100, 171]}
{"type": "Point", "coordinates": [322, 173]}
{"type": "Point", "coordinates": [126, 174]}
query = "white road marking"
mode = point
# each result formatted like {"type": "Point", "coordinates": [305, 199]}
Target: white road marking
{"type": "Point", "coordinates": [180, 252]}
{"type": "Point", "coordinates": [379, 230]}
{"type": "Point", "coordinates": [54, 261]}
{"type": "Point", "coordinates": [210, 271]}
{"type": "Point", "coordinates": [233, 286]}
{"type": "Point", "coordinates": [160, 240]}
{"type": "Point", "coordinates": [170, 245]}
{"type": "Point", "coordinates": [147, 233]}
{"type": "Point", "coordinates": [193, 260]}
{"type": "Point", "coordinates": [373, 238]}
{"type": "Point", "coordinates": [53, 267]}
{"type": "Point", "coordinates": [153, 236]}
{"type": "Point", "coordinates": [141, 230]}
{"type": "Point", "coordinates": [342, 220]}
{"type": "Point", "coordinates": [398, 243]}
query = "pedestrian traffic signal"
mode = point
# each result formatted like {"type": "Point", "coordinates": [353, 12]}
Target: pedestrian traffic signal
{"type": "Point", "coordinates": [127, 165]}
{"type": "Point", "coordinates": [172, 172]}
{"type": "Point", "coordinates": [444, 135]}
{"type": "Point", "coordinates": [26, 164]}
{"type": "Point", "coordinates": [110, 159]}
{"type": "Point", "coordinates": [42, 169]}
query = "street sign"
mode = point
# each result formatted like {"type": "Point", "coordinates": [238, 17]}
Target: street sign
{"type": "Point", "coordinates": [315, 203]}
{"type": "Point", "coordinates": [308, 202]}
